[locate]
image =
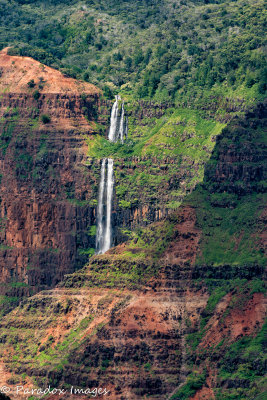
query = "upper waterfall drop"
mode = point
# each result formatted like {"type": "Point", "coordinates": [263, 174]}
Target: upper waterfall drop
{"type": "Point", "coordinates": [118, 123]}
{"type": "Point", "coordinates": [114, 120]}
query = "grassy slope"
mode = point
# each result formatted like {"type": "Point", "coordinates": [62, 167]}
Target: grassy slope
{"type": "Point", "coordinates": [180, 134]}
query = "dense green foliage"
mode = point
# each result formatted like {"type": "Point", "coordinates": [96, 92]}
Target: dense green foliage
{"type": "Point", "coordinates": [192, 52]}
{"type": "Point", "coordinates": [226, 236]}
{"type": "Point", "coordinates": [194, 382]}
{"type": "Point", "coordinates": [232, 195]}
{"type": "Point", "coordinates": [202, 54]}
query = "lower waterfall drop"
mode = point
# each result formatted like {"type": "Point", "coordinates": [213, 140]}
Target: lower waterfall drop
{"type": "Point", "coordinates": [104, 226]}
{"type": "Point", "coordinates": [109, 185]}
{"type": "Point", "coordinates": [100, 209]}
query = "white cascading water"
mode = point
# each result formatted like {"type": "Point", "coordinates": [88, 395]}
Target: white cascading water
{"type": "Point", "coordinates": [104, 207]}
{"type": "Point", "coordinates": [100, 208]}
{"type": "Point", "coordinates": [121, 129]}
{"type": "Point", "coordinates": [118, 123]}
{"type": "Point", "coordinates": [108, 231]}
{"type": "Point", "coordinates": [118, 131]}
{"type": "Point", "coordinates": [114, 120]}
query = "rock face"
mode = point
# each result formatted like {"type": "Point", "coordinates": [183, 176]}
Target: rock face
{"type": "Point", "coordinates": [33, 89]}
{"type": "Point", "coordinates": [156, 316]}
{"type": "Point", "coordinates": [43, 118]}
{"type": "Point", "coordinates": [49, 186]}
{"type": "Point", "coordinates": [126, 335]}
{"type": "Point", "coordinates": [132, 322]}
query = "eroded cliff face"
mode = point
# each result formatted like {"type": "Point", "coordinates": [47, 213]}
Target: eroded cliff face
{"type": "Point", "coordinates": [159, 316]}
{"type": "Point", "coordinates": [121, 321]}
{"type": "Point", "coordinates": [42, 166]}
{"type": "Point", "coordinates": [168, 313]}
{"type": "Point", "coordinates": [138, 321]}
{"type": "Point", "coordinates": [50, 182]}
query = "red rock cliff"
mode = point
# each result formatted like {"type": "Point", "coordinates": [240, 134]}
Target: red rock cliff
{"type": "Point", "coordinates": [42, 169]}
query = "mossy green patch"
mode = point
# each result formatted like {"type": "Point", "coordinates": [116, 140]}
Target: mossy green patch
{"type": "Point", "coordinates": [177, 132]}
{"type": "Point", "coordinates": [193, 383]}
{"type": "Point", "coordinates": [227, 231]}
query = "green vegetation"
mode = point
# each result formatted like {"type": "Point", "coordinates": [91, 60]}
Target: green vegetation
{"type": "Point", "coordinates": [182, 135]}
{"type": "Point", "coordinates": [178, 132]}
{"type": "Point", "coordinates": [192, 52]}
{"type": "Point", "coordinates": [45, 119]}
{"type": "Point", "coordinates": [7, 303]}
{"type": "Point", "coordinates": [226, 237]}
{"type": "Point", "coordinates": [24, 164]}
{"type": "Point", "coordinates": [229, 208]}
{"type": "Point", "coordinates": [7, 126]}
{"type": "Point", "coordinates": [90, 252]}
{"type": "Point", "coordinates": [53, 351]}
{"type": "Point", "coordinates": [244, 361]}
{"type": "Point", "coordinates": [194, 382]}
{"type": "Point", "coordinates": [200, 63]}
{"type": "Point", "coordinates": [131, 267]}
{"type": "Point", "coordinates": [244, 291]}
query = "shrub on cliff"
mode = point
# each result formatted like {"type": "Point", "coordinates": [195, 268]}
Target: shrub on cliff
{"type": "Point", "coordinates": [31, 83]}
{"type": "Point", "coordinates": [36, 95]}
{"type": "Point", "coordinates": [45, 119]}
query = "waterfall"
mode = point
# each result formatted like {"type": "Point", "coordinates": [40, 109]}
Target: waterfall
{"type": "Point", "coordinates": [121, 130]}
{"type": "Point", "coordinates": [118, 123]}
{"type": "Point", "coordinates": [100, 208]}
{"type": "Point", "coordinates": [110, 183]}
{"type": "Point", "coordinates": [125, 127]}
{"type": "Point", "coordinates": [118, 130]}
{"type": "Point", "coordinates": [104, 207]}
{"type": "Point", "coordinates": [114, 121]}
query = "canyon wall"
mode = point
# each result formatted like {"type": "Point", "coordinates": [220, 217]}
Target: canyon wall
{"type": "Point", "coordinates": [159, 316]}
{"type": "Point", "coordinates": [49, 180]}
{"type": "Point", "coordinates": [44, 116]}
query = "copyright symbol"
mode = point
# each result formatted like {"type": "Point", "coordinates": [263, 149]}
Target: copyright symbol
{"type": "Point", "coordinates": [5, 389]}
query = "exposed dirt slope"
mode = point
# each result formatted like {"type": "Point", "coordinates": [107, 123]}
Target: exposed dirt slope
{"type": "Point", "coordinates": [18, 71]}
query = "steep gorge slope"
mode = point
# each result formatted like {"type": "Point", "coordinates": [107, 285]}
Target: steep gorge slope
{"type": "Point", "coordinates": [43, 118]}
{"type": "Point", "coordinates": [159, 316]}
{"type": "Point", "coordinates": [53, 131]}
{"type": "Point", "coordinates": [176, 310]}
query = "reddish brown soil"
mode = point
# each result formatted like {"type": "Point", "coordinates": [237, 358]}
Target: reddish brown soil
{"type": "Point", "coordinates": [204, 393]}
{"type": "Point", "coordinates": [68, 102]}
{"type": "Point", "coordinates": [18, 71]}
{"type": "Point", "coordinates": [185, 246]}
{"type": "Point", "coordinates": [240, 321]}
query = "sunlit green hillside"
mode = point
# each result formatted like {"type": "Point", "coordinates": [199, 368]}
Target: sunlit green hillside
{"type": "Point", "coordinates": [208, 54]}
